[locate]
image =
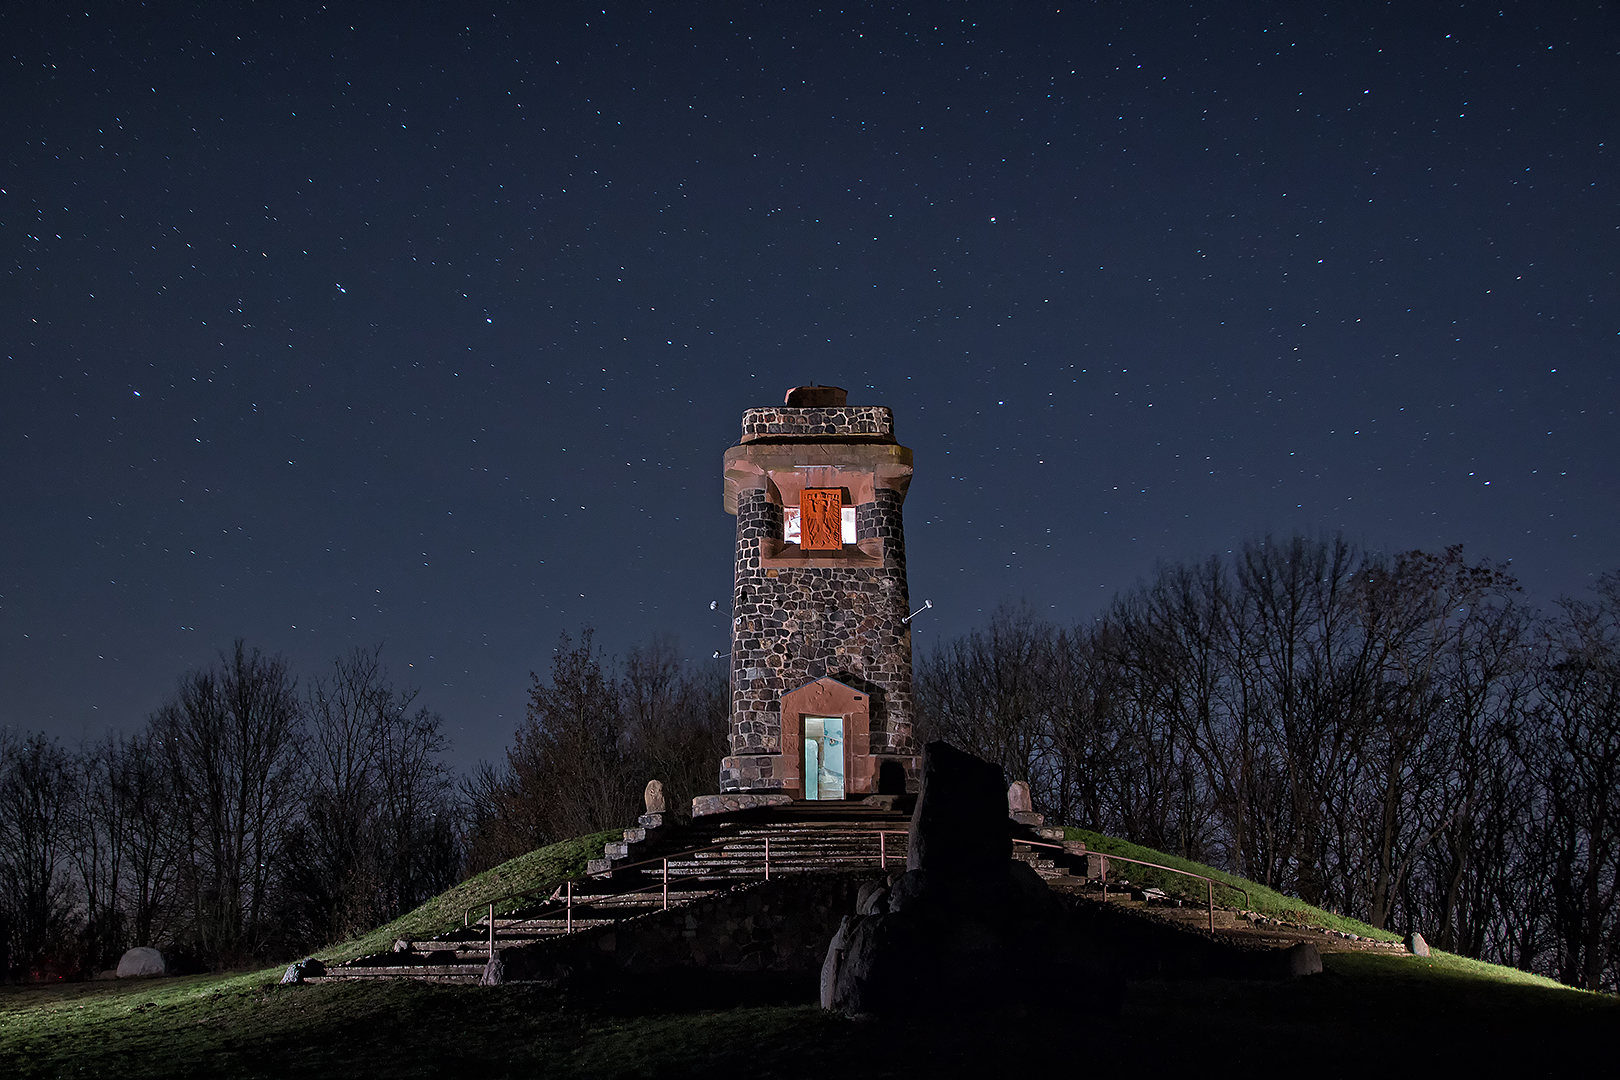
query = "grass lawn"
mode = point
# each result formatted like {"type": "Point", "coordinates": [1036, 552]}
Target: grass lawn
{"type": "Point", "coordinates": [1260, 898]}
{"type": "Point", "coordinates": [539, 871]}
{"type": "Point", "coordinates": [1366, 1011]}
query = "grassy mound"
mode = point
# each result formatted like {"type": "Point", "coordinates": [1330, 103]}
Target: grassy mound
{"type": "Point", "coordinates": [1443, 1011]}
{"type": "Point", "coordinates": [1260, 898]}
{"type": "Point", "coordinates": [539, 871]}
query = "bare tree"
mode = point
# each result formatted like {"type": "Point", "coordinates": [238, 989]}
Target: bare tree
{"type": "Point", "coordinates": [986, 693]}
{"type": "Point", "coordinates": [98, 828]}
{"type": "Point", "coordinates": [414, 820]}
{"type": "Point", "coordinates": [568, 762]}
{"type": "Point", "coordinates": [232, 740]}
{"type": "Point", "coordinates": [677, 717]}
{"type": "Point", "coordinates": [377, 835]}
{"type": "Point", "coordinates": [1579, 770]}
{"type": "Point", "coordinates": [36, 793]}
{"type": "Point", "coordinates": [153, 836]}
{"type": "Point", "coordinates": [594, 733]}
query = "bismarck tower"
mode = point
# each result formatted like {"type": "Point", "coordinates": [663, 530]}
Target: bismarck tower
{"type": "Point", "coordinates": [820, 646]}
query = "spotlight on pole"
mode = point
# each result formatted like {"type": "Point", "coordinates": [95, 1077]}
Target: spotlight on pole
{"type": "Point", "coordinates": [926, 605]}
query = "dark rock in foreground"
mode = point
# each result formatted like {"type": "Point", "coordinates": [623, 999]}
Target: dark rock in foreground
{"type": "Point", "coordinates": [965, 926]}
{"type": "Point", "coordinates": [960, 823]}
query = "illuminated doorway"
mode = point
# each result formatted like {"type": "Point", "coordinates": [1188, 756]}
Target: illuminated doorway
{"type": "Point", "coordinates": [824, 757]}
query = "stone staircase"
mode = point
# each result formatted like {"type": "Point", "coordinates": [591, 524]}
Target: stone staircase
{"type": "Point", "coordinates": [656, 866]}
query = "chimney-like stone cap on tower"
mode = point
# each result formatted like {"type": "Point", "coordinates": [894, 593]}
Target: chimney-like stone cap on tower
{"type": "Point", "coordinates": [816, 397]}
{"type": "Point", "coordinates": [818, 414]}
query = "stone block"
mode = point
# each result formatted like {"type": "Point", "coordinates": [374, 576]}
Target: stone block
{"type": "Point", "coordinates": [708, 805]}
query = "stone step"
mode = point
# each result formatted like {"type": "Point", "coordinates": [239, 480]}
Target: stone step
{"type": "Point", "coordinates": [438, 973]}
{"type": "Point", "coordinates": [394, 971]}
{"type": "Point", "coordinates": [801, 838]}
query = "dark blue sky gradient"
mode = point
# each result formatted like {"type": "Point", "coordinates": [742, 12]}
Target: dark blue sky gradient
{"type": "Point", "coordinates": [429, 325]}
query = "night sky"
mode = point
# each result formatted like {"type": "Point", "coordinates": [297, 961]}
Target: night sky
{"type": "Point", "coordinates": [429, 326]}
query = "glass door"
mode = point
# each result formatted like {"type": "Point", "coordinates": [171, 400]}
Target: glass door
{"type": "Point", "coordinates": [824, 757]}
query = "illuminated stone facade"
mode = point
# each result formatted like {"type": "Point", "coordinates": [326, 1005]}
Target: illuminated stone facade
{"type": "Point", "coordinates": [824, 629]}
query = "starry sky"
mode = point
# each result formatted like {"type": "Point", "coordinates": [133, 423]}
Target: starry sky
{"type": "Point", "coordinates": [428, 326]}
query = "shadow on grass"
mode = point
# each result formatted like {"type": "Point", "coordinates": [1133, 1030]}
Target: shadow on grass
{"type": "Point", "coordinates": [1364, 1012]}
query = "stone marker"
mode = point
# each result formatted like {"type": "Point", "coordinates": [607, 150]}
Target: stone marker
{"type": "Point", "coordinates": [307, 968]}
{"type": "Point", "coordinates": [1416, 945]}
{"type": "Point", "coordinates": [960, 824]}
{"type": "Point", "coordinates": [965, 921]}
{"type": "Point", "coordinates": [1021, 808]}
{"type": "Point", "coordinates": [1018, 801]}
{"type": "Point", "coordinates": [140, 962]}
{"type": "Point", "coordinates": [654, 797]}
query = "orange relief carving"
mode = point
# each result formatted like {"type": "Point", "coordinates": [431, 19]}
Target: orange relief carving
{"type": "Point", "coordinates": [821, 526]}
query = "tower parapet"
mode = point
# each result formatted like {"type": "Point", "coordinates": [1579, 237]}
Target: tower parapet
{"type": "Point", "coordinates": [820, 649]}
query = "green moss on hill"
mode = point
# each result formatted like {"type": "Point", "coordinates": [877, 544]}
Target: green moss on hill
{"type": "Point", "coordinates": [539, 871]}
{"type": "Point", "coordinates": [1260, 898]}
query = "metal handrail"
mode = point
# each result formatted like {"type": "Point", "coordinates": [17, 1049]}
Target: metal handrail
{"type": "Point", "coordinates": [566, 889]}
{"type": "Point", "coordinates": [1209, 882]}
{"type": "Point", "coordinates": [567, 886]}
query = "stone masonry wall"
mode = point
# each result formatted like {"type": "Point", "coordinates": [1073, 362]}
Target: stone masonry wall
{"type": "Point", "coordinates": [795, 624]}
{"type": "Point", "coordinates": [864, 420]}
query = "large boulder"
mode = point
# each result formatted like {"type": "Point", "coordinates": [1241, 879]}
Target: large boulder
{"type": "Point", "coordinates": [1301, 959]}
{"type": "Point", "coordinates": [141, 962]}
{"type": "Point", "coordinates": [960, 823]}
{"type": "Point", "coordinates": [965, 925]}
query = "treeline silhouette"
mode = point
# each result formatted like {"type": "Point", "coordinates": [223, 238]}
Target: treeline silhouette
{"type": "Point", "coordinates": [244, 821]}
{"type": "Point", "coordinates": [250, 820]}
{"type": "Point", "coordinates": [1402, 739]}
{"type": "Point", "coordinates": [591, 738]}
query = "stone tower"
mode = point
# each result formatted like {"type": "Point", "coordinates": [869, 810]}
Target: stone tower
{"type": "Point", "coordinates": [820, 650]}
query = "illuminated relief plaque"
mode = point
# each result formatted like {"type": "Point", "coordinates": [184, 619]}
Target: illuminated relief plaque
{"type": "Point", "coordinates": [821, 519]}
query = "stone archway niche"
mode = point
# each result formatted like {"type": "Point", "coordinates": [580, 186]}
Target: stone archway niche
{"type": "Point", "coordinates": [829, 697]}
